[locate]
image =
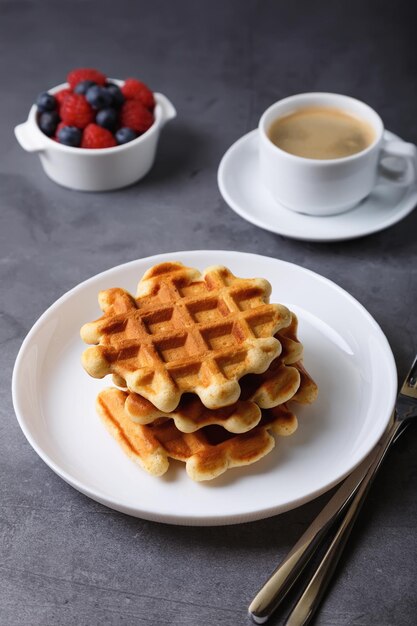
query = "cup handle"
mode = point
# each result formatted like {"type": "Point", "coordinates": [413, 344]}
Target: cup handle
{"type": "Point", "coordinates": [25, 136]}
{"type": "Point", "coordinates": [400, 150]}
{"type": "Point", "coordinates": [168, 109]}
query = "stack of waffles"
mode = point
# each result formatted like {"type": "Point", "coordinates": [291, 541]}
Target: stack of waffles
{"type": "Point", "coordinates": [204, 368]}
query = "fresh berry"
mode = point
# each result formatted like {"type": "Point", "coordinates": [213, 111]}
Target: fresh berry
{"type": "Point", "coordinates": [95, 136]}
{"type": "Point", "coordinates": [58, 128]}
{"type": "Point", "coordinates": [93, 112]}
{"type": "Point", "coordinates": [118, 97]}
{"type": "Point", "coordinates": [99, 97]}
{"type": "Point", "coordinates": [81, 74]}
{"type": "Point", "coordinates": [48, 121]}
{"type": "Point", "coordinates": [136, 90]}
{"type": "Point", "coordinates": [69, 136]}
{"type": "Point", "coordinates": [75, 111]}
{"type": "Point", "coordinates": [136, 116]}
{"type": "Point", "coordinates": [107, 118]}
{"type": "Point", "coordinates": [124, 135]}
{"type": "Point", "coordinates": [45, 102]}
{"type": "Point", "coordinates": [61, 95]}
{"type": "Point", "coordinates": [83, 86]}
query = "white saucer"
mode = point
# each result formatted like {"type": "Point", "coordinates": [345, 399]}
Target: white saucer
{"type": "Point", "coordinates": [241, 188]}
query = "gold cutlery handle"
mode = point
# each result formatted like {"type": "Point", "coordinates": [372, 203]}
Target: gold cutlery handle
{"type": "Point", "coordinates": [310, 598]}
{"type": "Point", "coordinates": [274, 590]}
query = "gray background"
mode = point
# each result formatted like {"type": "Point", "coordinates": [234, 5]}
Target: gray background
{"type": "Point", "coordinates": [65, 559]}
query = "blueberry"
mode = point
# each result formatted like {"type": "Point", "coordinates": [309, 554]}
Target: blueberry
{"type": "Point", "coordinates": [45, 102]}
{"type": "Point", "coordinates": [118, 97]}
{"type": "Point", "coordinates": [48, 121]}
{"type": "Point", "coordinates": [99, 97]}
{"type": "Point", "coordinates": [83, 86]}
{"type": "Point", "coordinates": [70, 136]}
{"type": "Point", "coordinates": [107, 118]}
{"type": "Point", "coordinates": [124, 135]}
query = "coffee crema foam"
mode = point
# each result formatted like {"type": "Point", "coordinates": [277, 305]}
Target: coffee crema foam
{"type": "Point", "coordinates": [321, 133]}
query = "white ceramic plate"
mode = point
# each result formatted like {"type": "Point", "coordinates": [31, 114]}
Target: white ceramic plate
{"type": "Point", "coordinates": [345, 351]}
{"type": "Point", "coordinates": [241, 188]}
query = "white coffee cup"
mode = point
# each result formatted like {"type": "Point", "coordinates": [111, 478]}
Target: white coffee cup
{"type": "Point", "coordinates": [331, 186]}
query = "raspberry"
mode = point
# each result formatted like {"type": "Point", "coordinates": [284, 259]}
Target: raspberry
{"type": "Point", "coordinates": [136, 116]}
{"type": "Point", "coordinates": [84, 73]}
{"type": "Point", "coordinates": [95, 136]}
{"type": "Point", "coordinates": [75, 111]}
{"type": "Point", "coordinates": [136, 90]}
{"type": "Point", "coordinates": [60, 97]}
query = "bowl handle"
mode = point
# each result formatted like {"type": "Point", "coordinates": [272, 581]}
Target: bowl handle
{"type": "Point", "coordinates": [25, 136]}
{"type": "Point", "coordinates": [168, 109]}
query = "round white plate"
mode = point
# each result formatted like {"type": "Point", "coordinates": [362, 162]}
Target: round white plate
{"type": "Point", "coordinates": [241, 188]}
{"type": "Point", "coordinates": [345, 351]}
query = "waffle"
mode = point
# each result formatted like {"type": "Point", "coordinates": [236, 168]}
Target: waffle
{"type": "Point", "coordinates": [207, 453]}
{"type": "Point", "coordinates": [185, 333]}
{"type": "Point", "coordinates": [191, 414]}
{"type": "Point", "coordinates": [276, 386]}
{"type": "Point", "coordinates": [285, 376]}
{"type": "Point", "coordinates": [308, 390]}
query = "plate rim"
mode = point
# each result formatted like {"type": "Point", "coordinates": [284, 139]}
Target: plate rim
{"type": "Point", "coordinates": [175, 519]}
{"type": "Point", "coordinates": [276, 229]}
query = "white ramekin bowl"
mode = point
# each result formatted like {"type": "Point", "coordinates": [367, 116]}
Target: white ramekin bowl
{"type": "Point", "coordinates": [95, 170]}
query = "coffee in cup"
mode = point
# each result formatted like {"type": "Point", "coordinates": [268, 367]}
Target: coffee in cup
{"type": "Point", "coordinates": [321, 133]}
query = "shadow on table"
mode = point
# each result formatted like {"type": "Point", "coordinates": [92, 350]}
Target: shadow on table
{"type": "Point", "coordinates": [179, 153]}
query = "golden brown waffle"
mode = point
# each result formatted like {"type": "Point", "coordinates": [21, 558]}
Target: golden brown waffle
{"type": "Point", "coordinates": [292, 352]}
{"type": "Point", "coordinates": [282, 379]}
{"type": "Point", "coordinates": [292, 348]}
{"type": "Point", "coordinates": [276, 386]}
{"type": "Point", "coordinates": [207, 453]}
{"type": "Point", "coordinates": [308, 390]}
{"type": "Point", "coordinates": [185, 332]}
{"type": "Point", "coordinates": [191, 414]}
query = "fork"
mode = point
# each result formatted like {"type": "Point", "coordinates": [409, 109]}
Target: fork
{"type": "Point", "coordinates": [347, 500]}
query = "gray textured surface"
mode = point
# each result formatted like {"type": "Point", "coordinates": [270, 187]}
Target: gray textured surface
{"type": "Point", "coordinates": [64, 559]}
